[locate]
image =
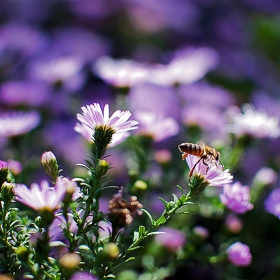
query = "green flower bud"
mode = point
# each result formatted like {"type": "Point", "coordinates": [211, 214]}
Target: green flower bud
{"type": "Point", "coordinates": [22, 253]}
{"type": "Point", "coordinates": [49, 164]}
{"type": "Point", "coordinates": [109, 252]}
{"type": "Point", "coordinates": [102, 167]}
{"type": "Point", "coordinates": [139, 187]}
{"type": "Point", "coordinates": [7, 193]}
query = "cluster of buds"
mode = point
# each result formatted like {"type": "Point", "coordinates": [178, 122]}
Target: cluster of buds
{"type": "Point", "coordinates": [122, 211]}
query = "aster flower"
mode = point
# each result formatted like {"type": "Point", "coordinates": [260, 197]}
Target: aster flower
{"type": "Point", "coordinates": [120, 73]}
{"type": "Point", "coordinates": [253, 122]}
{"type": "Point", "coordinates": [171, 239]}
{"type": "Point", "coordinates": [18, 123]}
{"type": "Point", "coordinates": [212, 173]}
{"type": "Point", "coordinates": [239, 254]}
{"type": "Point", "coordinates": [24, 92]}
{"type": "Point", "coordinates": [187, 66]}
{"type": "Point", "coordinates": [65, 70]}
{"type": "Point", "coordinates": [40, 197]}
{"type": "Point", "coordinates": [272, 203]}
{"type": "Point", "coordinates": [236, 198]}
{"type": "Point", "coordinates": [157, 126]}
{"type": "Point", "coordinates": [82, 275]}
{"type": "Point", "coordinates": [93, 117]}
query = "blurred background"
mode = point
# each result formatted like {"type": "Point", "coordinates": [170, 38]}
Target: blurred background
{"type": "Point", "coordinates": [185, 69]}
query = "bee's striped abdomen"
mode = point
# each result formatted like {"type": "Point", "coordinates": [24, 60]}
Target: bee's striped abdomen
{"type": "Point", "coordinates": [192, 149]}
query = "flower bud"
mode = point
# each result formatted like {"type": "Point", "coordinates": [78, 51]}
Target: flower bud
{"type": "Point", "coordinates": [139, 187]}
{"type": "Point", "coordinates": [7, 193]}
{"type": "Point", "coordinates": [233, 223]}
{"type": "Point", "coordinates": [70, 261]}
{"type": "Point", "coordinates": [3, 172]}
{"type": "Point", "coordinates": [49, 164]}
{"type": "Point", "coordinates": [102, 167]}
{"type": "Point", "coordinates": [163, 156]}
{"type": "Point", "coordinates": [110, 251]}
{"type": "Point", "coordinates": [22, 253]}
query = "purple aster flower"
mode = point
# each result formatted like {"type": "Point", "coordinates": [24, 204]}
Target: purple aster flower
{"type": "Point", "coordinates": [120, 73]}
{"type": "Point", "coordinates": [66, 70]}
{"type": "Point", "coordinates": [157, 126]}
{"type": "Point", "coordinates": [239, 254]}
{"type": "Point", "coordinates": [82, 275]}
{"type": "Point", "coordinates": [236, 197]}
{"type": "Point", "coordinates": [212, 172]}
{"type": "Point", "coordinates": [40, 197]}
{"type": "Point", "coordinates": [18, 123]}
{"type": "Point", "coordinates": [22, 92]}
{"type": "Point", "coordinates": [23, 38]}
{"type": "Point", "coordinates": [253, 122]}
{"type": "Point", "coordinates": [171, 239]}
{"type": "Point", "coordinates": [14, 166]}
{"type": "Point", "coordinates": [93, 116]}
{"type": "Point", "coordinates": [233, 223]}
{"type": "Point", "coordinates": [3, 164]}
{"type": "Point", "coordinates": [187, 66]}
{"type": "Point", "coordinates": [272, 203]}
{"type": "Point", "coordinates": [70, 187]}
{"type": "Point", "coordinates": [82, 42]}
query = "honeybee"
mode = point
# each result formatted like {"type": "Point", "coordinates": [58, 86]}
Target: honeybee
{"type": "Point", "coordinates": [206, 153]}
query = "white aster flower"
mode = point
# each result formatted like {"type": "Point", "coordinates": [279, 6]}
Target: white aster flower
{"type": "Point", "coordinates": [253, 122]}
{"type": "Point", "coordinates": [93, 116]}
{"type": "Point", "coordinates": [40, 197]}
{"type": "Point", "coordinates": [213, 173]}
{"type": "Point", "coordinates": [18, 123]}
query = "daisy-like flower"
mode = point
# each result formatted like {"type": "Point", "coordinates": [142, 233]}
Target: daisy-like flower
{"type": "Point", "coordinates": [93, 117]}
{"type": "Point", "coordinates": [239, 254]}
{"type": "Point", "coordinates": [18, 123]}
{"type": "Point", "coordinates": [236, 197]}
{"type": "Point", "coordinates": [272, 203]}
{"type": "Point", "coordinates": [120, 73]}
{"type": "Point", "coordinates": [40, 197]}
{"type": "Point", "coordinates": [212, 173]}
{"type": "Point", "coordinates": [253, 122]}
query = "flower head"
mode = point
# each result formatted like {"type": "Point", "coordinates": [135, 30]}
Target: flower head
{"type": "Point", "coordinates": [93, 117]}
{"type": "Point", "coordinates": [272, 203]}
{"type": "Point", "coordinates": [253, 122]}
{"type": "Point", "coordinates": [40, 197]}
{"type": "Point", "coordinates": [212, 173]}
{"type": "Point", "coordinates": [18, 123]}
{"type": "Point", "coordinates": [239, 254]}
{"type": "Point", "coordinates": [236, 198]}
{"type": "Point", "coordinates": [171, 239]}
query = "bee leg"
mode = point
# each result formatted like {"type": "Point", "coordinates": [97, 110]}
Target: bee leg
{"type": "Point", "coordinates": [184, 155]}
{"type": "Point", "coordinates": [192, 169]}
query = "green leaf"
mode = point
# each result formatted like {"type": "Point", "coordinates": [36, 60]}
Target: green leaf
{"type": "Point", "coordinates": [164, 202]}
{"type": "Point", "coordinates": [149, 215]}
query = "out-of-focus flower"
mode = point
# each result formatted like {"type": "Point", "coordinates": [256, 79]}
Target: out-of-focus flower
{"type": "Point", "coordinates": [70, 260]}
{"type": "Point", "coordinates": [23, 39]}
{"type": "Point", "coordinates": [213, 173]}
{"type": "Point", "coordinates": [70, 187]}
{"type": "Point", "coordinates": [78, 41]}
{"type": "Point", "coordinates": [24, 93]}
{"type": "Point", "coordinates": [236, 197]}
{"type": "Point", "coordinates": [40, 197]}
{"type": "Point", "coordinates": [187, 66]}
{"type": "Point", "coordinates": [122, 212]}
{"type": "Point", "coordinates": [62, 71]}
{"type": "Point", "coordinates": [120, 73]}
{"type": "Point", "coordinates": [156, 126]}
{"type": "Point", "coordinates": [18, 123]}
{"type": "Point", "coordinates": [93, 116]}
{"type": "Point", "coordinates": [266, 176]}
{"type": "Point", "coordinates": [239, 254]}
{"type": "Point", "coordinates": [253, 122]}
{"type": "Point", "coordinates": [82, 275]}
{"type": "Point", "coordinates": [14, 166]}
{"type": "Point", "coordinates": [56, 229]}
{"type": "Point", "coordinates": [171, 239]}
{"type": "Point", "coordinates": [163, 156]}
{"type": "Point", "coordinates": [272, 203]}
{"type": "Point", "coordinates": [200, 231]}
{"type": "Point", "coordinates": [233, 223]}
